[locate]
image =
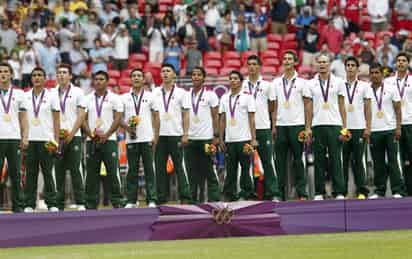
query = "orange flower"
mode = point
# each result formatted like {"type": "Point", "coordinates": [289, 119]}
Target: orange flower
{"type": "Point", "coordinates": [345, 134]}
{"type": "Point", "coordinates": [134, 121]}
{"type": "Point", "coordinates": [248, 149]}
{"type": "Point", "coordinates": [52, 146]}
{"type": "Point", "coordinates": [63, 134]}
{"type": "Point", "coordinates": [210, 149]}
{"type": "Point", "coordinates": [302, 136]}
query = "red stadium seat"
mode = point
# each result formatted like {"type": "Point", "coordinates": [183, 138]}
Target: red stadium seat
{"type": "Point", "coordinates": [269, 54]}
{"type": "Point", "coordinates": [215, 55]}
{"type": "Point", "coordinates": [289, 37]}
{"type": "Point", "coordinates": [274, 37]}
{"type": "Point", "coordinates": [268, 70]}
{"type": "Point", "coordinates": [126, 73]}
{"type": "Point", "coordinates": [163, 8]}
{"type": "Point", "coordinates": [273, 46]}
{"type": "Point", "coordinates": [303, 69]}
{"type": "Point", "coordinates": [138, 57]}
{"type": "Point", "coordinates": [225, 71]}
{"type": "Point", "coordinates": [271, 62]}
{"type": "Point", "coordinates": [244, 70]}
{"type": "Point", "coordinates": [166, 2]}
{"type": "Point", "coordinates": [379, 35]}
{"type": "Point", "coordinates": [212, 42]}
{"type": "Point", "coordinates": [112, 82]}
{"type": "Point", "coordinates": [212, 63]}
{"type": "Point", "coordinates": [50, 84]}
{"type": "Point", "coordinates": [125, 81]}
{"type": "Point", "coordinates": [135, 64]}
{"type": "Point", "coordinates": [212, 71]}
{"type": "Point", "coordinates": [114, 73]}
{"type": "Point", "coordinates": [368, 35]}
{"type": "Point", "coordinates": [233, 63]}
{"type": "Point", "coordinates": [231, 55]}
{"type": "Point", "coordinates": [293, 45]}
{"type": "Point", "coordinates": [124, 89]}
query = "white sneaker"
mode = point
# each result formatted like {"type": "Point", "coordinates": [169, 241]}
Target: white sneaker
{"type": "Point", "coordinates": [318, 198]}
{"type": "Point", "coordinates": [152, 205]}
{"type": "Point", "coordinates": [73, 206]}
{"type": "Point", "coordinates": [41, 205]}
{"type": "Point", "coordinates": [130, 206]}
{"type": "Point", "coordinates": [397, 196]}
{"type": "Point", "coordinates": [340, 197]}
{"type": "Point", "coordinates": [81, 208]}
{"type": "Point", "coordinates": [275, 199]}
{"type": "Point", "coordinates": [28, 210]}
{"type": "Point", "coordinates": [53, 209]}
{"type": "Point", "coordinates": [374, 197]}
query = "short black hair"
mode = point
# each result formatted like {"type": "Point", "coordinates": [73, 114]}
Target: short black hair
{"type": "Point", "coordinates": [201, 69]}
{"type": "Point", "coordinates": [352, 58]}
{"type": "Point", "coordinates": [293, 53]}
{"type": "Point", "coordinates": [169, 66]}
{"type": "Point", "coordinates": [403, 54]}
{"type": "Point", "coordinates": [101, 72]}
{"type": "Point", "coordinates": [255, 57]}
{"type": "Point", "coordinates": [136, 69]}
{"type": "Point", "coordinates": [238, 74]}
{"type": "Point", "coordinates": [65, 66]}
{"type": "Point", "coordinates": [5, 64]}
{"type": "Point", "coordinates": [37, 69]}
{"type": "Point", "coordinates": [375, 65]}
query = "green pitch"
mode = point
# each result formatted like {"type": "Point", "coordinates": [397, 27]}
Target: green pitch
{"type": "Point", "coordinates": [365, 245]}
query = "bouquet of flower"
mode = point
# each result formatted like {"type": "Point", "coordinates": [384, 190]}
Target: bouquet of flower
{"type": "Point", "coordinates": [52, 146]}
{"type": "Point", "coordinates": [345, 135]}
{"type": "Point", "coordinates": [95, 139]}
{"type": "Point", "coordinates": [248, 149]}
{"type": "Point", "coordinates": [303, 136]}
{"type": "Point", "coordinates": [64, 134]}
{"type": "Point", "coordinates": [133, 122]}
{"type": "Point", "coordinates": [210, 149]}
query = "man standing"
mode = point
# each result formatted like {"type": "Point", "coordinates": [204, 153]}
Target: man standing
{"type": "Point", "coordinates": [203, 131]}
{"type": "Point", "coordinates": [72, 115]}
{"type": "Point", "coordinates": [288, 121]}
{"type": "Point", "coordinates": [403, 83]}
{"type": "Point", "coordinates": [174, 106]}
{"type": "Point", "coordinates": [358, 106]}
{"type": "Point", "coordinates": [386, 132]}
{"type": "Point", "coordinates": [13, 132]}
{"type": "Point", "coordinates": [44, 115]}
{"type": "Point", "coordinates": [104, 113]}
{"type": "Point", "coordinates": [237, 129]}
{"type": "Point", "coordinates": [141, 122]}
{"type": "Point", "coordinates": [326, 113]}
{"type": "Point", "coordinates": [264, 96]}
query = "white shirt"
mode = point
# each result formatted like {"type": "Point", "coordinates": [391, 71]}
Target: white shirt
{"type": "Point", "coordinates": [28, 61]}
{"type": "Point", "coordinates": [245, 104]}
{"type": "Point", "coordinates": [356, 119]}
{"type": "Point", "coordinates": [295, 113]}
{"type": "Point", "coordinates": [388, 121]}
{"type": "Point", "coordinates": [75, 99]}
{"type": "Point", "coordinates": [202, 129]}
{"type": "Point", "coordinates": [44, 131]}
{"type": "Point", "coordinates": [378, 8]}
{"type": "Point", "coordinates": [144, 130]}
{"type": "Point", "coordinates": [111, 104]}
{"type": "Point", "coordinates": [11, 129]}
{"type": "Point", "coordinates": [171, 124]}
{"type": "Point", "coordinates": [263, 92]}
{"type": "Point", "coordinates": [406, 98]}
{"type": "Point", "coordinates": [330, 116]}
{"type": "Point", "coordinates": [121, 47]}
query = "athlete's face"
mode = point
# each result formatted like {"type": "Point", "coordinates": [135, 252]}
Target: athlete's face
{"type": "Point", "coordinates": [38, 78]}
{"type": "Point", "coordinates": [197, 78]}
{"type": "Point", "coordinates": [5, 75]}
{"type": "Point", "coordinates": [63, 76]}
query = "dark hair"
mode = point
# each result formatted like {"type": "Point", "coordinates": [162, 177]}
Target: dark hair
{"type": "Point", "coordinates": [238, 74]}
{"type": "Point", "coordinates": [293, 53]}
{"type": "Point", "coordinates": [352, 58]}
{"type": "Point", "coordinates": [5, 64]}
{"type": "Point", "coordinates": [375, 65]}
{"type": "Point", "coordinates": [37, 69]}
{"type": "Point", "coordinates": [201, 69]}
{"type": "Point", "coordinates": [255, 57]}
{"type": "Point", "coordinates": [403, 54]}
{"type": "Point", "coordinates": [101, 72]}
{"type": "Point", "coordinates": [65, 66]}
{"type": "Point", "coordinates": [169, 66]}
{"type": "Point", "coordinates": [136, 69]}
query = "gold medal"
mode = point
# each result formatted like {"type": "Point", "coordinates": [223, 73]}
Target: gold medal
{"type": "Point", "coordinates": [233, 122]}
{"type": "Point", "coordinates": [35, 121]}
{"type": "Point", "coordinates": [99, 123]}
{"type": "Point", "coordinates": [286, 104]}
{"type": "Point", "coordinates": [196, 119]}
{"type": "Point", "coordinates": [325, 106]}
{"type": "Point", "coordinates": [6, 117]}
{"type": "Point", "coordinates": [167, 116]}
{"type": "Point", "coordinates": [380, 114]}
{"type": "Point", "coordinates": [351, 108]}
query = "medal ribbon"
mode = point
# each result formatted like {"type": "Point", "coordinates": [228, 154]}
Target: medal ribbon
{"type": "Point", "coordinates": [351, 96]}
{"type": "Point", "coordinates": [195, 104]}
{"type": "Point", "coordinates": [99, 107]}
{"type": "Point", "coordinates": [36, 108]}
{"type": "Point", "coordinates": [139, 102]}
{"type": "Point", "coordinates": [166, 103]}
{"type": "Point", "coordinates": [256, 88]}
{"type": "Point", "coordinates": [6, 106]}
{"type": "Point", "coordinates": [63, 103]}
{"type": "Point", "coordinates": [401, 90]}
{"type": "Point", "coordinates": [379, 102]}
{"type": "Point", "coordinates": [287, 93]}
{"type": "Point", "coordinates": [232, 108]}
{"type": "Point", "coordinates": [325, 93]}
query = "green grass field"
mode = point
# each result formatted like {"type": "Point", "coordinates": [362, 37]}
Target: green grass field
{"type": "Point", "coordinates": [365, 245]}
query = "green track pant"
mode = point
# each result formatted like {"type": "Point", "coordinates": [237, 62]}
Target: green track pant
{"type": "Point", "coordinates": [406, 155]}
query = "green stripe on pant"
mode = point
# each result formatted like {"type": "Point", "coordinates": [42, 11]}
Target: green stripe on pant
{"type": "Point", "coordinates": [287, 140]}
{"type": "Point", "coordinates": [10, 149]}
{"type": "Point", "coordinates": [171, 145]}
{"type": "Point", "coordinates": [406, 155]}
{"type": "Point", "coordinates": [106, 153]}
{"type": "Point", "coordinates": [265, 150]}
{"type": "Point", "coordinates": [234, 156]}
{"type": "Point", "coordinates": [384, 145]}
{"type": "Point", "coordinates": [135, 151]}
{"type": "Point", "coordinates": [200, 170]}
{"type": "Point", "coordinates": [326, 142]}
{"type": "Point", "coordinates": [70, 162]}
{"type": "Point", "coordinates": [353, 155]}
{"type": "Point", "coordinates": [37, 155]}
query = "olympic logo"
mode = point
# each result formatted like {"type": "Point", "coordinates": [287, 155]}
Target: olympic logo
{"type": "Point", "coordinates": [223, 216]}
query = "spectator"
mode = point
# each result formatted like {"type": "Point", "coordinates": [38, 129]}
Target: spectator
{"type": "Point", "coordinates": [148, 17]}
{"type": "Point", "coordinates": [157, 36]}
{"type": "Point", "coordinates": [78, 59]}
{"type": "Point", "coordinates": [242, 40]}
{"type": "Point", "coordinates": [172, 54]}
{"type": "Point", "coordinates": [135, 26]}
{"type": "Point", "coordinates": [108, 38]}
{"type": "Point", "coordinates": [332, 37]}
{"type": "Point", "coordinates": [15, 63]}
{"type": "Point", "coordinates": [378, 11]}
{"type": "Point", "coordinates": [212, 16]}
{"type": "Point", "coordinates": [107, 14]}
{"type": "Point", "coordinates": [65, 13]}
{"type": "Point", "coordinates": [403, 10]}
{"type": "Point", "coordinates": [49, 57]}
{"type": "Point", "coordinates": [21, 44]}
{"type": "Point", "coordinates": [304, 20]}
{"type": "Point", "coordinates": [51, 30]}
{"type": "Point", "coordinates": [199, 30]}
{"type": "Point", "coordinates": [168, 28]}
{"type": "Point", "coordinates": [321, 11]}
{"type": "Point", "coordinates": [224, 30]}
{"type": "Point", "coordinates": [78, 4]}
{"type": "Point", "coordinates": [81, 19]}
{"type": "Point", "coordinates": [257, 27]}
{"type": "Point", "coordinates": [148, 81]}
{"type": "Point", "coordinates": [99, 57]}
{"type": "Point", "coordinates": [8, 36]}
{"type": "Point", "coordinates": [125, 10]}
{"type": "Point", "coordinates": [351, 9]}
{"type": "Point", "coordinates": [36, 35]}
{"type": "Point", "coordinates": [29, 62]}
{"type": "Point", "coordinates": [399, 38]}
{"type": "Point", "coordinates": [340, 22]}
{"type": "Point", "coordinates": [280, 14]}
{"type": "Point", "coordinates": [43, 13]}
{"type": "Point", "coordinates": [387, 69]}
{"type": "Point", "coordinates": [407, 47]}
{"type": "Point", "coordinates": [121, 48]}
{"type": "Point", "coordinates": [193, 56]}
{"type": "Point", "coordinates": [90, 30]}
{"type": "Point", "coordinates": [366, 53]}
{"type": "Point", "coordinates": [388, 50]}
{"type": "Point", "coordinates": [65, 37]}
{"type": "Point", "coordinates": [309, 44]}
{"type": "Point", "coordinates": [337, 66]}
